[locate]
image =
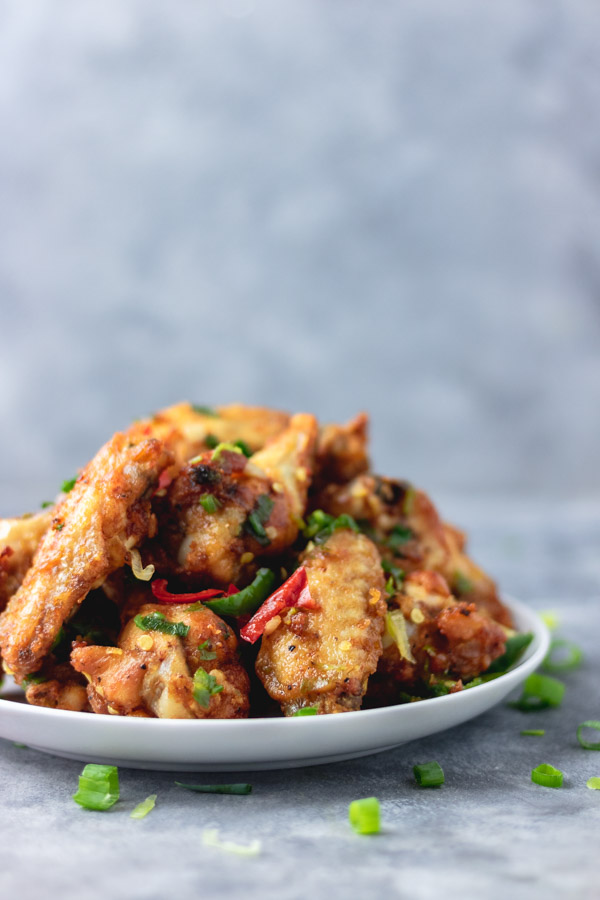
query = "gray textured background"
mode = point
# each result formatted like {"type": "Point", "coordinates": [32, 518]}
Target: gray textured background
{"type": "Point", "coordinates": [325, 206]}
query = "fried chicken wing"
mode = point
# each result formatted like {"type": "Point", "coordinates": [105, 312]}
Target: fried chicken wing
{"type": "Point", "coordinates": [93, 529]}
{"type": "Point", "coordinates": [19, 539]}
{"type": "Point", "coordinates": [342, 451]}
{"type": "Point", "coordinates": [60, 687]}
{"type": "Point", "coordinates": [324, 657]}
{"type": "Point", "coordinates": [254, 510]}
{"type": "Point", "coordinates": [152, 674]}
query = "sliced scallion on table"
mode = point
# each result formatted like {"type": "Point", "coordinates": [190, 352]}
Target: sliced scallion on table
{"type": "Point", "coordinates": [562, 656]}
{"type": "Point", "coordinates": [550, 619]}
{"type": "Point", "coordinates": [547, 776]}
{"type": "Point", "coordinates": [143, 808]}
{"type": "Point", "coordinates": [593, 783]}
{"type": "Point", "coordinates": [588, 745]}
{"type": "Point", "coordinates": [429, 774]}
{"type": "Point", "coordinates": [540, 692]}
{"type": "Point", "coordinates": [210, 838]}
{"type": "Point", "coordinates": [365, 815]}
{"type": "Point", "coordinates": [217, 788]}
{"type": "Point", "coordinates": [533, 732]}
{"type": "Point", "coordinates": [98, 787]}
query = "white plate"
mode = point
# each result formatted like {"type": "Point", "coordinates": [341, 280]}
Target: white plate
{"type": "Point", "coordinates": [244, 744]}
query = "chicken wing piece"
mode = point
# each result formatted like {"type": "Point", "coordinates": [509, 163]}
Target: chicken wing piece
{"type": "Point", "coordinates": [409, 532]}
{"type": "Point", "coordinates": [19, 539]}
{"type": "Point", "coordinates": [224, 510]}
{"type": "Point", "coordinates": [104, 516]}
{"type": "Point", "coordinates": [432, 642]}
{"type": "Point", "coordinates": [324, 657]}
{"type": "Point", "coordinates": [151, 673]}
{"type": "Point", "coordinates": [58, 687]}
{"type": "Point", "coordinates": [188, 430]}
{"type": "Point", "coordinates": [342, 452]}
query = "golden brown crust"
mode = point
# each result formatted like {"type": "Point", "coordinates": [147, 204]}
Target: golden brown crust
{"type": "Point", "coordinates": [342, 451]}
{"type": "Point", "coordinates": [19, 539]}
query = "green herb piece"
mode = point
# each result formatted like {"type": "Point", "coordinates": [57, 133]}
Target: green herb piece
{"type": "Point", "coordinates": [246, 601]}
{"type": "Point", "coordinates": [68, 485]}
{"type": "Point", "coordinates": [58, 639]}
{"type": "Point", "coordinates": [47, 503]}
{"type": "Point", "coordinates": [34, 678]}
{"type": "Point", "coordinates": [365, 815]}
{"type": "Point", "coordinates": [482, 679]}
{"type": "Point", "coordinates": [220, 448]}
{"type": "Point", "coordinates": [557, 661]}
{"type": "Point", "coordinates": [398, 536]}
{"type": "Point", "coordinates": [533, 732]}
{"type": "Point", "coordinates": [205, 411]}
{"type": "Point", "coordinates": [243, 446]}
{"type": "Point", "coordinates": [462, 584]}
{"type": "Point", "coordinates": [593, 783]}
{"type": "Point", "coordinates": [209, 503]}
{"type": "Point", "coordinates": [206, 651]}
{"type": "Point", "coordinates": [547, 776]}
{"type": "Point", "coordinates": [20, 746]}
{"type": "Point", "coordinates": [540, 692]}
{"type": "Point", "coordinates": [211, 441]}
{"type": "Point", "coordinates": [550, 619]}
{"type": "Point", "coordinates": [98, 787]}
{"type": "Point", "coordinates": [588, 745]}
{"type": "Point", "coordinates": [408, 504]}
{"type": "Point", "coordinates": [395, 572]}
{"type": "Point", "coordinates": [59, 526]}
{"type": "Point", "coordinates": [429, 774]}
{"type": "Point", "coordinates": [217, 788]}
{"type": "Point", "coordinates": [513, 649]}
{"type": "Point", "coordinates": [255, 522]}
{"type": "Point", "coordinates": [210, 838]}
{"type": "Point", "coordinates": [321, 525]}
{"type": "Point", "coordinates": [157, 621]}
{"type": "Point", "coordinates": [143, 808]}
{"type": "Point", "coordinates": [205, 686]}
{"type": "Point", "coordinates": [305, 711]}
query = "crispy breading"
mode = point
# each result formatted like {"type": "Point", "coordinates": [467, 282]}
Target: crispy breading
{"type": "Point", "coordinates": [151, 673]}
{"type": "Point", "coordinates": [105, 515]}
{"type": "Point", "coordinates": [324, 657]}
{"type": "Point", "coordinates": [19, 539]}
{"type": "Point", "coordinates": [62, 688]}
{"type": "Point", "coordinates": [342, 451]}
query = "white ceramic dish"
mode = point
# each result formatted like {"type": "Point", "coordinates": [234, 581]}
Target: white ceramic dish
{"type": "Point", "coordinates": [242, 745]}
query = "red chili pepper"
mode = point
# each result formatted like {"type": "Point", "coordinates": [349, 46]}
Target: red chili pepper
{"type": "Point", "coordinates": [159, 591]}
{"type": "Point", "coordinates": [164, 479]}
{"type": "Point", "coordinates": [293, 592]}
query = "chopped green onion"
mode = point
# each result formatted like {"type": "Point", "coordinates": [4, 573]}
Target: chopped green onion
{"type": "Point", "coordinates": [593, 783]}
{"type": "Point", "coordinates": [34, 678]}
{"type": "Point", "coordinates": [256, 520]}
{"type": "Point", "coordinates": [211, 441]}
{"type": "Point", "coordinates": [398, 536]}
{"type": "Point", "coordinates": [397, 575]}
{"type": "Point", "coordinates": [143, 808]}
{"type": "Point", "coordinates": [68, 485]}
{"type": "Point", "coordinates": [550, 619]}
{"type": "Point", "coordinates": [220, 448]}
{"type": "Point", "coordinates": [395, 626]}
{"type": "Point", "coordinates": [46, 503]}
{"type": "Point", "coordinates": [205, 686]}
{"type": "Point", "coordinates": [210, 838]}
{"type": "Point", "coordinates": [206, 650]}
{"type": "Point", "coordinates": [482, 679]}
{"type": "Point", "coordinates": [462, 584]}
{"type": "Point", "coordinates": [588, 745]}
{"type": "Point", "coordinates": [217, 788]}
{"type": "Point", "coordinates": [98, 787]}
{"type": "Point", "coordinates": [246, 601]}
{"type": "Point", "coordinates": [209, 503]}
{"type": "Point", "coordinates": [20, 746]}
{"type": "Point", "coordinates": [408, 503]}
{"type": "Point", "coordinates": [429, 774]}
{"type": "Point", "coordinates": [205, 411]}
{"type": "Point", "coordinates": [306, 711]}
{"type": "Point", "coordinates": [533, 732]}
{"type": "Point", "coordinates": [157, 621]}
{"type": "Point", "coordinates": [573, 658]}
{"type": "Point", "coordinates": [547, 776]}
{"type": "Point", "coordinates": [513, 649]}
{"type": "Point", "coordinates": [321, 525]}
{"type": "Point", "coordinates": [365, 815]}
{"type": "Point", "coordinates": [540, 692]}
{"type": "Point", "coordinates": [243, 447]}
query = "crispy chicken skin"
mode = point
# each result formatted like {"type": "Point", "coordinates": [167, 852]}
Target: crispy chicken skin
{"type": "Point", "coordinates": [19, 539]}
{"type": "Point", "coordinates": [63, 688]}
{"type": "Point", "coordinates": [447, 641]}
{"type": "Point", "coordinates": [100, 520]}
{"type": "Point", "coordinates": [410, 533]}
{"type": "Point", "coordinates": [342, 451]}
{"type": "Point", "coordinates": [220, 546]}
{"type": "Point", "coordinates": [324, 657]}
{"type": "Point", "coordinates": [151, 674]}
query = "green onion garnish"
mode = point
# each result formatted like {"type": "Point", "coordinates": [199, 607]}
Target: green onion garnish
{"type": "Point", "coordinates": [220, 448]}
{"type": "Point", "coordinates": [34, 678]}
{"type": "Point", "coordinates": [533, 732]}
{"type": "Point", "coordinates": [321, 525]}
{"type": "Point", "coordinates": [217, 788]}
{"type": "Point", "coordinates": [462, 584]}
{"type": "Point", "coordinates": [365, 815]}
{"type": "Point", "coordinates": [588, 745]}
{"type": "Point", "coordinates": [205, 686]}
{"type": "Point", "coordinates": [20, 746]}
{"type": "Point", "coordinates": [558, 662]}
{"type": "Point", "coordinates": [513, 649]}
{"type": "Point", "coordinates": [243, 447]}
{"type": "Point", "coordinates": [47, 503]}
{"type": "Point", "coordinates": [256, 520]}
{"type": "Point", "coordinates": [305, 711]}
{"type": "Point", "coordinates": [157, 621]}
{"type": "Point", "coordinates": [68, 485]}
{"type": "Point", "coordinates": [205, 411]}
{"type": "Point", "coordinates": [98, 787]}
{"type": "Point", "coordinates": [397, 575]}
{"type": "Point", "coordinates": [211, 441]}
{"type": "Point", "coordinates": [429, 774]}
{"type": "Point", "coordinates": [209, 503]}
{"type": "Point", "coordinates": [210, 838]}
{"type": "Point", "coordinates": [593, 783]}
{"type": "Point", "coordinates": [550, 619]}
{"type": "Point", "coordinates": [143, 808]}
{"type": "Point", "coordinates": [540, 692]}
{"type": "Point", "coordinates": [206, 650]}
{"type": "Point", "coordinates": [547, 776]}
{"type": "Point", "coordinates": [246, 601]}
{"type": "Point", "coordinates": [398, 536]}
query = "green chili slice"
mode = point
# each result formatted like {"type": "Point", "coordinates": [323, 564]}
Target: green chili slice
{"type": "Point", "coordinates": [245, 601]}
